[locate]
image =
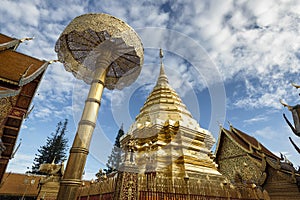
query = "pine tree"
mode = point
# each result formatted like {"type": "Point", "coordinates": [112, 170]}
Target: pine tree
{"type": "Point", "coordinates": [54, 149]}
{"type": "Point", "coordinates": [114, 159]}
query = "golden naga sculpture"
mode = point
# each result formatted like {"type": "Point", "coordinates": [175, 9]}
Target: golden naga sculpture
{"type": "Point", "coordinates": [296, 118]}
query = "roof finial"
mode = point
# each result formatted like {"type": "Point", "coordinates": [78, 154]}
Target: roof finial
{"type": "Point", "coordinates": [230, 125]}
{"type": "Point", "coordinates": [295, 85]}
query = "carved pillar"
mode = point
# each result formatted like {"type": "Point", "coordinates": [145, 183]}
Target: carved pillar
{"type": "Point", "coordinates": [127, 179]}
{"type": "Point", "coordinates": [127, 183]}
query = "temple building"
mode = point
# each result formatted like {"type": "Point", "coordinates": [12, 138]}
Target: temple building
{"type": "Point", "coordinates": [166, 153]}
{"type": "Point", "coordinates": [20, 76]}
{"type": "Point", "coordinates": [241, 158]}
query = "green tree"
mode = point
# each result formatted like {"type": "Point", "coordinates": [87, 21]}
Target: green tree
{"type": "Point", "coordinates": [114, 159]}
{"type": "Point", "coordinates": [54, 149]}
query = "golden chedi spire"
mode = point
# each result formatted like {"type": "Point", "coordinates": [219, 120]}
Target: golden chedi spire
{"type": "Point", "coordinates": [162, 79]}
{"type": "Point", "coordinates": [168, 135]}
{"type": "Point", "coordinates": [163, 104]}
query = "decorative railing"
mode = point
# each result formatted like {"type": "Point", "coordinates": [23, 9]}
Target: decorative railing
{"type": "Point", "coordinates": [164, 188]}
{"type": "Point", "coordinates": [101, 190]}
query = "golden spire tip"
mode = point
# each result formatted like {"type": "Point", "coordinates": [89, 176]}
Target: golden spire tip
{"type": "Point", "coordinates": [161, 54]}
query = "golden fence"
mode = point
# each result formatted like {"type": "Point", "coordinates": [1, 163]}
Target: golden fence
{"type": "Point", "coordinates": [164, 188]}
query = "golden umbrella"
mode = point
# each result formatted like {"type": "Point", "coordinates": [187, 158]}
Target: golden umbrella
{"type": "Point", "coordinates": [104, 52]}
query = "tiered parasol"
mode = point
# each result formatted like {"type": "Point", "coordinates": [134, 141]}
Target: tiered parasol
{"type": "Point", "coordinates": [104, 52]}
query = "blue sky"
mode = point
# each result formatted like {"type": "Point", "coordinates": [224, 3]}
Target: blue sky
{"type": "Point", "coordinates": [228, 60]}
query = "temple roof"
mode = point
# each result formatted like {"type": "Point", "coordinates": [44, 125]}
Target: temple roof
{"type": "Point", "coordinates": [16, 184]}
{"type": "Point", "coordinates": [20, 76]}
{"type": "Point", "coordinates": [15, 67]}
{"type": "Point", "coordinates": [246, 142]}
{"type": "Point", "coordinates": [7, 42]}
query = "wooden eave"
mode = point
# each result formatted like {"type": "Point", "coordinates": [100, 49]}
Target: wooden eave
{"type": "Point", "coordinates": [7, 42]}
{"type": "Point", "coordinates": [219, 141]}
{"type": "Point", "coordinates": [20, 76]}
{"type": "Point", "coordinates": [15, 66]}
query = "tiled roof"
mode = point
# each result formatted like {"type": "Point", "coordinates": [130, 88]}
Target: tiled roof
{"type": "Point", "coordinates": [13, 65]}
{"type": "Point", "coordinates": [19, 184]}
{"type": "Point", "coordinates": [254, 143]}
{"type": "Point", "coordinates": [5, 38]}
{"type": "Point", "coordinates": [248, 143]}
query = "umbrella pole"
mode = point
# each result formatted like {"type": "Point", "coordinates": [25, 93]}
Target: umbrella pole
{"type": "Point", "coordinates": [71, 181]}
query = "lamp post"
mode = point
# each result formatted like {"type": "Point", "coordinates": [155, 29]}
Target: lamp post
{"type": "Point", "coordinates": [106, 53]}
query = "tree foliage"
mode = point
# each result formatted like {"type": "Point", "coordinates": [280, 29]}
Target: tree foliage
{"type": "Point", "coordinates": [54, 149]}
{"type": "Point", "coordinates": [114, 159]}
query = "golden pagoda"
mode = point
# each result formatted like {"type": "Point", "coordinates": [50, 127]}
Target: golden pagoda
{"type": "Point", "coordinates": [167, 156]}
{"type": "Point", "coordinates": [168, 140]}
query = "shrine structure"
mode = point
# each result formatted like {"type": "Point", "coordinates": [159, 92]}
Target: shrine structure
{"type": "Point", "coordinates": [20, 76]}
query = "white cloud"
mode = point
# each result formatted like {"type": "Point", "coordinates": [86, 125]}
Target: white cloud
{"type": "Point", "coordinates": [259, 118]}
{"type": "Point", "coordinates": [266, 132]}
{"type": "Point", "coordinates": [24, 163]}
{"type": "Point", "coordinates": [28, 13]}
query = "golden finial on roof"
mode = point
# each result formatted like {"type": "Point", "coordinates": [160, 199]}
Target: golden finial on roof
{"type": "Point", "coordinates": [230, 125]}
{"type": "Point", "coordinates": [26, 39]}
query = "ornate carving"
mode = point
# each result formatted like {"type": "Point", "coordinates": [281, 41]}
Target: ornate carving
{"type": "Point", "coordinates": [233, 160]}
{"type": "Point", "coordinates": [52, 169]}
{"type": "Point", "coordinates": [6, 105]}
{"type": "Point", "coordinates": [126, 186]}
{"type": "Point", "coordinates": [130, 186]}
{"type": "Point", "coordinates": [18, 113]}
{"type": "Point", "coordinates": [23, 102]}
{"type": "Point", "coordinates": [29, 89]}
{"type": "Point", "coordinates": [229, 150]}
